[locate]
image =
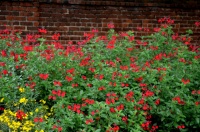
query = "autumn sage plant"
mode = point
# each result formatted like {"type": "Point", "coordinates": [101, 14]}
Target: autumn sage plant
{"type": "Point", "coordinates": [111, 83]}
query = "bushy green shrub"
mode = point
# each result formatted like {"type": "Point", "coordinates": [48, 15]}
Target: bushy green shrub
{"type": "Point", "coordinates": [111, 83]}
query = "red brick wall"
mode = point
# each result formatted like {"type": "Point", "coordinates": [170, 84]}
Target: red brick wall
{"type": "Point", "coordinates": [71, 18]}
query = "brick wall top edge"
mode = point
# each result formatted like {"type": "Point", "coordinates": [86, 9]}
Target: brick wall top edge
{"type": "Point", "coordinates": [190, 4]}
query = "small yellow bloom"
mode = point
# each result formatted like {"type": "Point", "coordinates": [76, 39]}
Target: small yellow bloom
{"type": "Point", "coordinates": [23, 100]}
{"type": "Point", "coordinates": [1, 100]}
{"type": "Point", "coordinates": [41, 130]}
{"type": "Point", "coordinates": [43, 101]}
{"type": "Point", "coordinates": [31, 113]}
{"type": "Point", "coordinates": [21, 89]}
{"type": "Point", "coordinates": [15, 104]}
{"type": "Point", "coordinates": [36, 110]}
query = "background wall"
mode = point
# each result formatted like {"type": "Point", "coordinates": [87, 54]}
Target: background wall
{"type": "Point", "coordinates": [71, 18]}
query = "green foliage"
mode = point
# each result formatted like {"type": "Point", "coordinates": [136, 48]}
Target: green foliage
{"type": "Point", "coordinates": [112, 83]}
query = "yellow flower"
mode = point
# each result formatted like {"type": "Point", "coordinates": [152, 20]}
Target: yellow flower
{"type": "Point", "coordinates": [21, 89]}
{"type": "Point", "coordinates": [23, 100]}
{"type": "Point", "coordinates": [43, 101]}
{"type": "Point", "coordinates": [15, 104]}
{"type": "Point", "coordinates": [41, 130]}
{"type": "Point", "coordinates": [36, 110]}
{"type": "Point", "coordinates": [1, 100]}
{"type": "Point", "coordinates": [31, 113]}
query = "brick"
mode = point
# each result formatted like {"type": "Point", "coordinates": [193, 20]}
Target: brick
{"type": "Point", "coordinates": [19, 18]}
{"type": "Point", "coordinates": [9, 17]}
{"type": "Point", "coordinates": [16, 23]}
{"type": "Point", "coordinates": [19, 27]}
{"type": "Point", "coordinates": [26, 23]}
{"type": "Point", "coordinates": [15, 13]}
{"type": "Point", "coordinates": [2, 17]}
{"type": "Point", "coordinates": [32, 19]}
{"type": "Point", "coordinates": [36, 24]}
{"type": "Point", "coordinates": [32, 28]}
{"type": "Point", "coordinates": [33, 9]}
{"type": "Point", "coordinates": [26, 4]}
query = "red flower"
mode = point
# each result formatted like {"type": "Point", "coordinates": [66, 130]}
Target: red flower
{"type": "Point", "coordinates": [3, 53]}
{"type": "Point", "coordinates": [38, 119]}
{"type": "Point", "coordinates": [20, 115]}
{"type": "Point", "coordinates": [5, 72]}
{"type": "Point", "coordinates": [89, 101]}
{"type": "Point", "coordinates": [111, 25]}
{"type": "Point", "coordinates": [54, 92]}
{"type": "Point", "coordinates": [2, 63]}
{"type": "Point", "coordinates": [157, 102]}
{"type": "Point", "coordinates": [84, 77]}
{"type": "Point", "coordinates": [120, 107]}
{"type": "Point", "coordinates": [57, 83]}
{"type": "Point", "coordinates": [124, 118]}
{"type": "Point", "coordinates": [148, 93]}
{"type": "Point", "coordinates": [44, 76]}
{"type": "Point", "coordinates": [156, 29]}
{"type": "Point", "coordinates": [71, 71]}
{"type": "Point", "coordinates": [63, 94]}
{"type": "Point", "coordinates": [185, 81]}
{"type": "Point", "coordinates": [112, 110]}
{"type": "Point", "coordinates": [115, 128]}
{"type": "Point", "coordinates": [181, 127]}
{"type": "Point", "coordinates": [197, 103]}
{"type": "Point", "coordinates": [139, 79]}
{"type": "Point", "coordinates": [197, 24]}
{"type": "Point", "coordinates": [68, 78]}
{"type": "Point", "coordinates": [143, 84]}
{"type": "Point", "coordinates": [55, 36]}
{"type": "Point", "coordinates": [59, 129]}
{"type": "Point", "coordinates": [42, 31]}
{"type": "Point", "coordinates": [28, 48]}
{"type": "Point", "coordinates": [101, 88]}
{"type": "Point", "coordinates": [74, 85]}
{"type": "Point", "coordinates": [89, 121]}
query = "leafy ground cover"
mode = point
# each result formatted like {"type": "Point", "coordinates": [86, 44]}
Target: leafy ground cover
{"type": "Point", "coordinates": [106, 84]}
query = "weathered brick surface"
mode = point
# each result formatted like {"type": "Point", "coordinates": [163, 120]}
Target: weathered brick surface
{"type": "Point", "coordinates": [71, 18]}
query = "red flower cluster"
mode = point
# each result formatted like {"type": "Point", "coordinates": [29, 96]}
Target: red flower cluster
{"type": "Point", "coordinates": [43, 76]}
{"type": "Point", "coordinates": [145, 125]}
{"type": "Point", "coordinates": [181, 126]}
{"type": "Point", "coordinates": [178, 99]}
{"type": "Point", "coordinates": [115, 128]}
{"type": "Point", "coordinates": [194, 92]}
{"type": "Point", "coordinates": [57, 83]}
{"type": "Point", "coordinates": [185, 81]}
{"type": "Point", "coordinates": [112, 97]}
{"type": "Point", "coordinates": [59, 93]}
{"type": "Point", "coordinates": [38, 119]}
{"type": "Point", "coordinates": [129, 96]}
{"type": "Point", "coordinates": [2, 108]}
{"type": "Point", "coordinates": [20, 114]}
{"type": "Point", "coordinates": [166, 20]}
{"type": "Point", "coordinates": [88, 121]}
{"type": "Point", "coordinates": [57, 127]}
{"type": "Point", "coordinates": [68, 78]}
{"type": "Point", "coordinates": [28, 48]}
{"type": "Point", "coordinates": [197, 24]}
{"type": "Point", "coordinates": [76, 108]}
{"type": "Point", "coordinates": [42, 30]}
{"type": "Point", "coordinates": [89, 101]}
{"type": "Point", "coordinates": [55, 36]}
{"type": "Point", "coordinates": [111, 25]}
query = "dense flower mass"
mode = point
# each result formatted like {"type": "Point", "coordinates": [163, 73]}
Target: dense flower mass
{"type": "Point", "coordinates": [113, 83]}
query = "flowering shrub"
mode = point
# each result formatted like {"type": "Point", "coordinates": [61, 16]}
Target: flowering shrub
{"type": "Point", "coordinates": [112, 83]}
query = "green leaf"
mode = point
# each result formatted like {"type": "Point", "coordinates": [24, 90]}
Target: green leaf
{"type": "Point", "coordinates": [98, 130]}
{"type": "Point", "coordinates": [197, 120]}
